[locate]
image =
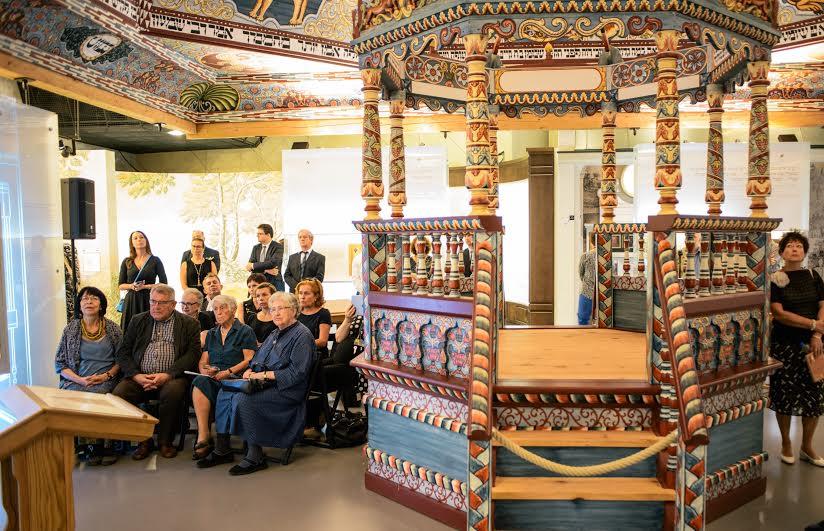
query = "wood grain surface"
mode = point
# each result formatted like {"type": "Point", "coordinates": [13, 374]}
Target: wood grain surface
{"type": "Point", "coordinates": [612, 489]}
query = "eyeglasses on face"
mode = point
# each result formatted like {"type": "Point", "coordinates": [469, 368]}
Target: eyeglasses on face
{"type": "Point", "coordinates": [87, 297]}
{"type": "Point", "coordinates": [189, 304]}
{"type": "Point", "coordinates": [155, 302]}
{"type": "Point", "coordinates": [278, 309]}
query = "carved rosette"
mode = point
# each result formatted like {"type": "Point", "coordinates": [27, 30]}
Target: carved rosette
{"type": "Point", "coordinates": [371, 176]}
{"type": "Point", "coordinates": [494, 175]}
{"type": "Point", "coordinates": [714, 196]}
{"type": "Point", "coordinates": [667, 127]}
{"type": "Point", "coordinates": [397, 162]}
{"type": "Point", "coordinates": [608, 200]}
{"type": "Point", "coordinates": [478, 159]}
{"type": "Point", "coordinates": [759, 186]}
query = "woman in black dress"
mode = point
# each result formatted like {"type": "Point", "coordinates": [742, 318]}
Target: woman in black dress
{"type": "Point", "coordinates": [196, 267]}
{"type": "Point", "coordinates": [797, 304]}
{"type": "Point", "coordinates": [139, 272]}
{"type": "Point", "coordinates": [312, 313]}
{"type": "Point", "coordinates": [261, 322]}
{"type": "Point", "coordinates": [251, 306]}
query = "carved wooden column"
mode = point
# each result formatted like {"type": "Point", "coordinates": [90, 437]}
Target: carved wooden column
{"type": "Point", "coordinates": [714, 196]}
{"type": "Point", "coordinates": [758, 181]}
{"type": "Point", "coordinates": [371, 176]}
{"type": "Point", "coordinates": [397, 162]}
{"type": "Point", "coordinates": [494, 176]}
{"type": "Point", "coordinates": [667, 127]}
{"type": "Point", "coordinates": [608, 200]}
{"type": "Point", "coordinates": [478, 159]}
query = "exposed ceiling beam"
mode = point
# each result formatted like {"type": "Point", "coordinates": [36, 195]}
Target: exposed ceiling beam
{"type": "Point", "coordinates": [12, 68]}
{"type": "Point", "coordinates": [455, 122]}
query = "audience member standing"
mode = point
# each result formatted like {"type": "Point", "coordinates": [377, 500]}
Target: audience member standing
{"type": "Point", "coordinates": [212, 288]}
{"type": "Point", "coordinates": [194, 270]}
{"type": "Point", "coordinates": [306, 263]}
{"type": "Point", "coordinates": [267, 256]}
{"type": "Point", "coordinates": [139, 273]}
{"type": "Point", "coordinates": [157, 347]}
{"type": "Point", "coordinates": [211, 255]}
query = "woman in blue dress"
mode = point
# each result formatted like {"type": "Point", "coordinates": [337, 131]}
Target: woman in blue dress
{"type": "Point", "coordinates": [274, 416]}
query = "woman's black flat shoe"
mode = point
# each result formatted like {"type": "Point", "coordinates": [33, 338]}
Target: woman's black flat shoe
{"type": "Point", "coordinates": [239, 470]}
{"type": "Point", "coordinates": [214, 459]}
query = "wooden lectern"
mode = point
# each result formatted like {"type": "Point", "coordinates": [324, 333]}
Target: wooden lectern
{"type": "Point", "coordinates": [37, 430]}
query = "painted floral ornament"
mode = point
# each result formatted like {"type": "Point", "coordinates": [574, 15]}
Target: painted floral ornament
{"type": "Point", "coordinates": [780, 279]}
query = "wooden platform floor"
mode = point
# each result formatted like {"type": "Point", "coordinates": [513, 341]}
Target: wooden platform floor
{"type": "Point", "coordinates": [571, 354]}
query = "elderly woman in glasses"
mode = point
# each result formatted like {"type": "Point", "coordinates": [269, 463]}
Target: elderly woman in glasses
{"type": "Point", "coordinates": [228, 348]}
{"type": "Point", "coordinates": [273, 416]}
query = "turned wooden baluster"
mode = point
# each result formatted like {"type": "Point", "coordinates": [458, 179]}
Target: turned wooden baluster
{"type": "Point", "coordinates": [732, 264]}
{"type": "Point", "coordinates": [689, 268]}
{"type": "Point", "coordinates": [406, 278]}
{"type": "Point", "coordinates": [391, 268]}
{"type": "Point", "coordinates": [627, 240]}
{"type": "Point", "coordinates": [704, 281]}
{"type": "Point", "coordinates": [717, 264]}
{"type": "Point", "coordinates": [642, 261]}
{"type": "Point", "coordinates": [420, 249]}
{"type": "Point", "coordinates": [437, 275]}
{"type": "Point", "coordinates": [742, 263]}
{"type": "Point", "coordinates": [454, 271]}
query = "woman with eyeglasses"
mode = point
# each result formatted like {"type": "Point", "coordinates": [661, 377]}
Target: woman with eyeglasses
{"type": "Point", "coordinates": [250, 306]}
{"type": "Point", "coordinates": [196, 267]}
{"type": "Point", "coordinates": [139, 273]}
{"type": "Point", "coordinates": [274, 415]}
{"type": "Point", "coordinates": [261, 322]}
{"type": "Point", "coordinates": [85, 357]}
{"type": "Point", "coordinates": [312, 313]}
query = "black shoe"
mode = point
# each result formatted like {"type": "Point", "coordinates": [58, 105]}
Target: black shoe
{"type": "Point", "coordinates": [241, 470]}
{"type": "Point", "coordinates": [214, 459]}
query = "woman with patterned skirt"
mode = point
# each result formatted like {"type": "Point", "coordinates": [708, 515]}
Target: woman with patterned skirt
{"type": "Point", "coordinates": [797, 304]}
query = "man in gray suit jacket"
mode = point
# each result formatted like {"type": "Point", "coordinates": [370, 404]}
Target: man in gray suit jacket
{"type": "Point", "coordinates": [157, 347]}
{"type": "Point", "coordinates": [306, 263]}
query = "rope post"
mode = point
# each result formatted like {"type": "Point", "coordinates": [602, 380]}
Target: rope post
{"type": "Point", "coordinates": [371, 171]}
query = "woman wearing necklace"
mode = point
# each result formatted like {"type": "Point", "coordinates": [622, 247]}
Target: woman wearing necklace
{"type": "Point", "coordinates": [797, 305]}
{"type": "Point", "coordinates": [196, 267]}
{"type": "Point", "coordinates": [85, 355]}
{"type": "Point", "coordinates": [139, 272]}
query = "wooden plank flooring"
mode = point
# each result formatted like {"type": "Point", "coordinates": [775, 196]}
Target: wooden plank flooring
{"type": "Point", "coordinates": [571, 354]}
{"type": "Point", "coordinates": [614, 489]}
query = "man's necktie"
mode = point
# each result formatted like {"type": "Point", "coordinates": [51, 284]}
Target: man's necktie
{"type": "Point", "coordinates": [302, 263]}
{"type": "Point", "coordinates": [263, 253]}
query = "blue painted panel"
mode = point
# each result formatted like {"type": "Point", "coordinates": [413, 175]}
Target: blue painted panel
{"type": "Point", "coordinates": [735, 440]}
{"type": "Point", "coordinates": [569, 515]}
{"type": "Point", "coordinates": [508, 464]}
{"type": "Point", "coordinates": [441, 450]}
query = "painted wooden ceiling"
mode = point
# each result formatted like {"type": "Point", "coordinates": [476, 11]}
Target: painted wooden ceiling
{"type": "Point", "coordinates": [223, 61]}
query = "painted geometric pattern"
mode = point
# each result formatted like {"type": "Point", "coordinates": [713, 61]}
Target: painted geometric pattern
{"type": "Point", "coordinates": [436, 71]}
{"type": "Point", "coordinates": [735, 475]}
{"type": "Point", "coordinates": [641, 71]}
{"type": "Point", "coordinates": [733, 397]}
{"type": "Point", "coordinates": [724, 224]}
{"type": "Point", "coordinates": [736, 412]}
{"type": "Point", "coordinates": [756, 263]}
{"type": "Point", "coordinates": [479, 495]}
{"type": "Point", "coordinates": [693, 477]}
{"type": "Point", "coordinates": [726, 340]}
{"type": "Point", "coordinates": [483, 355]}
{"type": "Point", "coordinates": [604, 252]}
{"type": "Point", "coordinates": [364, 302]}
{"type": "Point", "coordinates": [413, 384]}
{"type": "Point", "coordinates": [574, 418]}
{"type": "Point", "coordinates": [431, 404]}
{"type": "Point", "coordinates": [377, 262]}
{"type": "Point", "coordinates": [619, 228]}
{"type": "Point", "coordinates": [420, 479]}
{"type": "Point", "coordinates": [631, 283]}
{"type": "Point", "coordinates": [413, 413]}
{"type": "Point", "coordinates": [420, 225]}
{"type": "Point", "coordinates": [416, 340]}
{"type": "Point", "coordinates": [574, 398]}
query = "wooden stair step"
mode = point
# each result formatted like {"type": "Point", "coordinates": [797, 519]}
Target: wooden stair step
{"type": "Point", "coordinates": [603, 489]}
{"type": "Point", "coordinates": [595, 439]}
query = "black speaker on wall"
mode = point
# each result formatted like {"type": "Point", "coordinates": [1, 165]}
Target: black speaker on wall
{"type": "Point", "coordinates": [78, 209]}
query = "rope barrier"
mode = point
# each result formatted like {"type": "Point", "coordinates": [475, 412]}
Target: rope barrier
{"type": "Point", "coordinates": [583, 471]}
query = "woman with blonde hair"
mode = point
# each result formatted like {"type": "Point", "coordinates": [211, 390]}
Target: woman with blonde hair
{"type": "Point", "coordinates": [196, 268]}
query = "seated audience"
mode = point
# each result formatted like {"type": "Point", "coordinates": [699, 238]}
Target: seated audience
{"type": "Point", "coordinates": [313, 315]}
{"type": "Point", "coordinates": [212, 255]}
{"type": "Point", "coordinates": [194, 270]}
{"type": "Point", "coordinates": [304, 264]}
{"type": "Point", "coordinates": [249, 306]}
{"type": "Point", "coordinates": [226, 354]}
{"type": "Point", "coordinates": [190, 303]}
{"type": "Point", "coordinates": [211, 288]}
{"type": "Point", "coordinates": [85, 357]}
{"type": "Point", "coordinates": [261, 322]}
{"type": "Point", "coordinates": [157, 348]}
{"type": "Point", "coordinates": [273, 416]}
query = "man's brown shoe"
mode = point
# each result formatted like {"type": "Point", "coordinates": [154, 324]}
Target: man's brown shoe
{"type": "Point", "coordinates": [144, 449]}
{"type": "Point", "coordinates": [168, 451]}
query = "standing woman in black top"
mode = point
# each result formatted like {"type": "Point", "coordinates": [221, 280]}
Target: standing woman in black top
{"type": "Point", "coordinates": [797, 304]}
{"type": "Point", "coordinates": [196, 267]}
{"type": "Point", "coordinates": [261, 321]}
{"type": "Point", "coordinates": [312, 313]}
{"type": "Point", "coordinates": [139, 272]}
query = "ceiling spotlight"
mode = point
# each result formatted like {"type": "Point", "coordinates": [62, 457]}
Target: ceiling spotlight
{"type": "Point", "coordinates": [175, 132]}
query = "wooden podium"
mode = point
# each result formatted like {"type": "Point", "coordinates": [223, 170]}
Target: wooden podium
{"type": "Point", "coordinates": [37, 430]}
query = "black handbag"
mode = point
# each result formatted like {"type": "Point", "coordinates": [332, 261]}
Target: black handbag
{"type": "Point", "coordinates": [349, 430]}
{"type": "Point", "coordinates": [243, 385]}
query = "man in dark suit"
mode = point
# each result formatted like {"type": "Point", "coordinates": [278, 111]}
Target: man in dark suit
{"type": "Point", "coordinates": [467, 256]}
{"type": "Point", "coordinates": [157, 347]}
{"type": "Point", "coordinates": [306, 263]}
{"type": "Point", "coordinates": [212, 255]}
{"type": "Point", "coordinates": [267, 257]}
